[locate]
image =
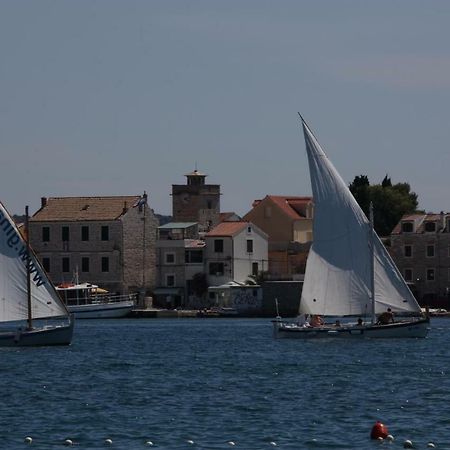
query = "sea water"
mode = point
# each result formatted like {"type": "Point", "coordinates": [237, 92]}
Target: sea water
{"type": "Point", "coordinates": [223, 383]}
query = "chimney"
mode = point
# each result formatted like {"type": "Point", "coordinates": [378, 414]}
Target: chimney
{"type": "Point", "coordinates": [43, 202]}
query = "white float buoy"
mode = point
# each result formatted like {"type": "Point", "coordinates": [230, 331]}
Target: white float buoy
{"type": "Point", "coordinates": [379, 438]}
{"type": "Point", "coordinates": [231, 443]}
{"type": "Point", "coordinates": [28, 440]}
{"type": "Point", "coordinates": [108, 441]}
{"type": "Point", "coordinates": [407, 444]}
{"type": "Point", "coordinates": [68, 442]}
{"type": "Point", "coordinates": [149, 443]}
{"type": "Point", "coordinates": [431, 445]}
{"type": "Point", "coordinates": [190, 441]}
{"type": "Point", "coordinates": [389, 437]}
{"type": "Point", "coordinates": [273, 443]}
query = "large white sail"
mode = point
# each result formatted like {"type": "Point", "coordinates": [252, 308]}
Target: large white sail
{"type": "Point", "coordinates": [338, 270]}
{"type": "Point", "coordinates": [13, 278]}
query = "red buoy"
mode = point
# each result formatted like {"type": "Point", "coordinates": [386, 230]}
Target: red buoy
{"type": "Point", "coordinates": [379, 431]}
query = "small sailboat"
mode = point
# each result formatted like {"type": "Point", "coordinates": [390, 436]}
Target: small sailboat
{"type": "Point", "coordinates": [348, 271]}
{"type": "Point", "coordinates": [31, 311]}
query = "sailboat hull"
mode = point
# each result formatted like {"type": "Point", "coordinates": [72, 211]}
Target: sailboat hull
{"type": "Point", "coordinates": [38, 337]}
{"type": "Point", "coordinates": [405, 329]}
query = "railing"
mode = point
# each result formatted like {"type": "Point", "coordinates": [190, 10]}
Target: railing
{"type": "Point", "coordinates": [108, 298]}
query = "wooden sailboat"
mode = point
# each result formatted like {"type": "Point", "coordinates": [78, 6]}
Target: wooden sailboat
{"type": "Point", "coordinates": [31, 311]}
{"type": "Point", "coordinates": [349, 271]}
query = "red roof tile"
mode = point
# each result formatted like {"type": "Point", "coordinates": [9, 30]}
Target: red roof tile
{"type": "Point", "coordinates": [227, 229]}
{"type": "Point", "coordinates": [294, 207]}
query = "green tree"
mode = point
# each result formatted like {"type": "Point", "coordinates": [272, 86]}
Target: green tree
{"type": "Point", "coordinates": [390, 201]}
{"type": "Point", "coordinates": [360, 190]}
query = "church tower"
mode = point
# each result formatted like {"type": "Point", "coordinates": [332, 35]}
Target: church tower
{"type": "Point", "coordinates": [196, 201]}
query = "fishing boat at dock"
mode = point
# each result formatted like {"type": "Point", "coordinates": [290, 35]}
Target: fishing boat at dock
{"type": "Point", "coordinates": [89, 301]}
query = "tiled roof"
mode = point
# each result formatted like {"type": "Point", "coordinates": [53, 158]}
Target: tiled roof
{"type": "Point", "coordinates": [420, 220]}
{"type": "Point", "coordinates": [227, 229]}
{"type": "Point", "coordinates": [84, 208]}
{"type": "Point", "coordinates": [294, 207]}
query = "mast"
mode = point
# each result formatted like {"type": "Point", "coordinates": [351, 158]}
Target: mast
{"type": "Point", "coordinates": [372, 262]}
{"type": "Point", "coordinates": [27, 227]}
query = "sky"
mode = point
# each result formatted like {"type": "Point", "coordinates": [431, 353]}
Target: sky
{"type": "Point", "coordinates": [108, 97]}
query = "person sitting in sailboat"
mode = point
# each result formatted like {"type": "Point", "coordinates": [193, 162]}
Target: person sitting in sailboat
{"type": "Point", "coordinates": [316, 321]}
{"type": "Point", "coordinates": [386, 317]}
{"type": "Point", "coordinates": [303, 321]}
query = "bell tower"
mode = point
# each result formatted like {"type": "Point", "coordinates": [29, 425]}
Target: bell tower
{"type": "Point", "coordinates": [196, 201]}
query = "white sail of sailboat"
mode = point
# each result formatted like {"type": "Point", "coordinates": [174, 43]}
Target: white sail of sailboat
{"type": "Point", "coordinates": [349, 271]}
{"type": "Point", "coordinates": [22, 300]}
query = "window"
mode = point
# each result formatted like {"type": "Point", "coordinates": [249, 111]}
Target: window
{"type": "Point", "coordinates": [249, 246]}
{"type": "Point", "coordinates": [193, 256]}
{"type": "Point", "coordinates": [170, 280]}
{"type": "Point", "coordinates": [85, 264]}
{"type": "Point", "coordinates": [105, 264]}
{"type": "Point", "coordinates": [430, 227]}
{"type": "Point", "coordinates": [45, 234]}
{"type": "Point", "coordinates": [84, 233]}
{"type": "Point", "coordinates": [408, 274]}
{"type": "Point", "coordinates": [105, 233]}
{"type": "Point", "coordinates": [209, 204]}
{"type": "Point", "coordinates": [407, 251]}
{"type": "Point", "coordinates": [65, 234]}
{"type": "Point", "coordinates": [430, 251]}
{"type": "Point", "coordinates": [255, 268]}
{"type": "Point", "coordinates": [430, 274]}
{"type": "Point", "coordinates": [66, 264]}
{"type": "Point", "coordinates": [218, 245]}
{"type": "Point", "coordinates": [249, 229]}
{"type": "Point", "coordinates": [170, 258]}
{"type": "Point", "coordinates": [216, 269]}
{"type": "Point", "coordinates": [46, 264]}
{"type": "Point", "coordinates": [407, 227]}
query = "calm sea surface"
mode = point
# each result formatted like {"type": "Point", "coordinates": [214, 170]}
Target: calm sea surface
{"type": "Point", "coordinates": [222, 381]}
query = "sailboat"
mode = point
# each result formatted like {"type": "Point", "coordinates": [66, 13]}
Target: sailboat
{"type": "Point", "coordinates": [31, 311]}
{"type": "Point", "coordinates": [349, 272]}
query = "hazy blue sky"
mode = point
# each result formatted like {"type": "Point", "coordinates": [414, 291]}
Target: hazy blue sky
{"type": "Point", "coordinates": [117, 97]}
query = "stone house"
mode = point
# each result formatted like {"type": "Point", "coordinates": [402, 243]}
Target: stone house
{"type": "Point", "coordinates": [108, 241]}
{"type": "Point", "coordinates": [420, 247]}
{"type": "Point", "coordinates": [288, 222]}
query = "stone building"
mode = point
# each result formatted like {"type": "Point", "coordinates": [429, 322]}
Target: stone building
{"type": "Point", "coordinates": [108, 241]}
{"type": "Point", "coordinates": [420, 247]}
{"type": "Point", "coordinates": [196, 201]}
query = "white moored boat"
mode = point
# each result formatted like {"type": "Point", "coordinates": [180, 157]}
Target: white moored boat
{"type": "Point", "coordinates": [88, 301]}
{"type": "Point", "coordinates": [31, 311]}
{"type": "Point", "coordinates": [349, 271]}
